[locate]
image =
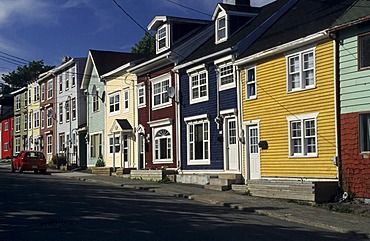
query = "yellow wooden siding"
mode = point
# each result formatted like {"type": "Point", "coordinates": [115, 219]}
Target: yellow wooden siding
{"type": "Point", "coordinates": [120, 83]}
{"type": "Point", "coordinates": [274, 104]}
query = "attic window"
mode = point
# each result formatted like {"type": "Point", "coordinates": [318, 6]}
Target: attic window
{"type": "Point", "coordinates": [221, 29]}
{"type": "Point", "coordinates": [162, 38]}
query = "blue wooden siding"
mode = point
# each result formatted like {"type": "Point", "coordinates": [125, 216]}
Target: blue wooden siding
{"type": "Point", "coordinates": [227, 100]}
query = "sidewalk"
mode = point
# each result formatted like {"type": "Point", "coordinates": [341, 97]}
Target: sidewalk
{"type": "Point", "coordinates": [281, 209]}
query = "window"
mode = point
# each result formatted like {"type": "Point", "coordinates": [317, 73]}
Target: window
{"type": "Point", "coordinates": [17, 144]}
{"type": "Point", "coordinates": [61, 142]}
{"type": "Point", "coordinates": [226, 76]}
{"type": "Point", "coordinates": [221, 30]}
{"type": "Point", "coordinates": [141, 96]}
{"type": "Point", "coordinates": [364, 132]}
{"type": "Point", "coordinates": [6, 126]}
{"type": "Point", "coordinates": [36, 93]}
{"type": "Point", "coordinates": [66, 76]}
{"type": "Point", "coordinates": [18, 102]}
{"type": "Point", "coordinates": [114, 144]}
{"type": "Point", "coordinates": [250, 75]}
{"type": "Point", "coordinates": [29, 96]}
{"type": "Point", "coordinates": [126, 100]}
{"type": "Point", "coordinates": [198, 141]}
{"type": "Point", "coordinates": [301, 71]}
{"type": "Point", "coordinates": [30, 121]}
{"type": "Point", "coordinates": [49, 144]}
{"type": "Point", "coordinates": [18, 123]}
{"type": "Point", "coordinates": [160, 86]}
{"type": "Point", "coordinates": [67, 107]}
{"type": "Point", "coordinates": [364, 51]}
{"type": "Point", "coordinates": [50, 117]}
{"type": "Point", "coordinates": [42, 119]}
{"type": "Point", "coordinates": [198, 86]}
{"type": "Point", "coordinates": [61, 113]}
{"type": "Point", "coordinates": [96, 101]}
{"type": "Point", "coordinates": [73, 76]}
{"type": "Point", "coordinates": [303, 137]}
{"type": "Point", "coordinates": [43, 92]}
{"type": "Point", "coordinates": [162, 146]}
{"type": "Point", "coordinates": [60, 78]}
{"type": "Point", "coordinates": [114, 100]}
{"type": "Point", "coordinates": [50, 89]}
{"type": "Point", "coordinates": [36, 140]}
{"type": "Point", "coordinates": [162, 38]}
{"type": "Point", "coordinates": [73, 108]}
{"type": "Point", "coordinates": [26, 121]}
{"type": "Point", "coordinates": [25, 99]}
{"type": "Point", "coordinates": [96, 145]}
{"type": "Point", "coordinates": [36, 119]}
{"type": "Point", "coordinates": [6, 145]}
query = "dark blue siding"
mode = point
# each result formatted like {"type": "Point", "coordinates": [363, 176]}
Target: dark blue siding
{"type": "Point", "coordinates": [228, 100]}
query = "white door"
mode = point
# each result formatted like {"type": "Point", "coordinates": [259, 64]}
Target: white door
{"type": "Point", "coordinates": [253, 152]}
{"type": "Point", "coordinates": [231, 145]}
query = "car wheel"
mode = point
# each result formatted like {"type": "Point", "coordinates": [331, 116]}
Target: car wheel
{"type": "Point", "coordinates": [20, 170]}
{"type": "Point", "coordinates": [43, 171]}
{"type": "Point", "coordinates": [12, 166]}
{"type": "Point", "coordinates": [35, 171]}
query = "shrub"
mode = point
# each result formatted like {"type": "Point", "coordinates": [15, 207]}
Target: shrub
{"type": "Point", "coordinates": [100, 162]}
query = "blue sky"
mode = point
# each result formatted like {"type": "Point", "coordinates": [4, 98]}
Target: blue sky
{"type": "Point", "coordinates": [49, 29]}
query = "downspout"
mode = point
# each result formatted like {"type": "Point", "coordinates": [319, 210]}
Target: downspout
{"type": "Point", "coordinates": [178, 121]}
{"type": "Point", "coordinates": [239, 117]}
{"type": "Point", "coordinates": [217, 118]}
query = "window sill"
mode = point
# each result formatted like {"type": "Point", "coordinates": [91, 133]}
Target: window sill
{"type": "Point", "coordinates": [158, 107]}
{"type": "Point", "coordinates": [227, 86]}
{"type": "Point", "coordinates": [165, 161]}
{"type": "Point", "coordinates": [251, 98]}
{"type": "Point", "coordinates": [198, 162]}
{"type": "Point", "coordinates": [299, 90]}
{"type": "Point", "coordinates": [307, 156]}
{"type": "Point", "coordinates": [196, 101]}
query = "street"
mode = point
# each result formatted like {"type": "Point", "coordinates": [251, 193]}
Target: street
{"type": "Point", "coordinates": [46, 207]}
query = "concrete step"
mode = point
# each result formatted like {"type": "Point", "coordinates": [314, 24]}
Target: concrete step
{"type": "Point", "coordinates": [217, 187]}
{"type": "Point", "coordinates": [221, 182]}
{"type": "Point", "coordinates": [237, 177]}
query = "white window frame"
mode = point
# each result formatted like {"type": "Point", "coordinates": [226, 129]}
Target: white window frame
{"type": "Point", "coordinates": [18, 102]}
{"type": "Point", "coordinates": [25, 121]}
{"type": "Point", "coordinates": [114, 145]}
{"type": "Point", "coordinates": [68, 108]}
{"type": "Point", "coordinates": [126, 100]}
{"type": "Point", "coordinates": [116, 104]}
{"type": "Point", "coordinates": [36, 93]}
{"type": "Point", "coordinates": [302, 120]}
{"type": "Point", "coordinates": [29, 96]}
{"type": "Point", "coordinates": [66, 78]}
{"type": "Point", "coordinates": [30, 121]}
{"type": "Point", "coordinates": [17, 144]}
{"type": "Point", "coordinates": [60, 81]}
{"type": "Point", "coordinates": [6, 126]}
{"type": "Point", "coordinates": [301, 71]}
{"type": "Point", "coordinates": [49, 144]}
{"type": "Point", "coordinates": [165, 38]}
{"type": "Point", "coordinates": [42, 92]}
{"type": "Point", "coordinates": [250, 82]}
{"type": "Point", "coordinates": [74, 110]}
{"type": "Point", "coordinates": [140, 103]}
{"type": "Point", "coordinates": [221, 66]}
{"type": "Point", "coordinates": [197, 72]}
{"type": "Point", "coordinates": [6, 146]}
{"type": "Point", "coordinates": [36, 119]}
{"type": "Point", "coordinates": [50, 89]}
{"type": "Point", "coordinates": [42, 119]}
{"type": "Point", "coordinates": [156, 144]}
{"type": "Point", "coordinates": [221, 16]}
{"type": "Point", "coordinates": [18, 123]}
{"type": "Point", "coordinates": [73, 76]}
{"type": "Point", "coordinates": [190, 123]}
{"type": "Point", "coordinates": [160, 81]}
{"type": "Point", "coordinates": [25, 99]}
{"type": "Point", "coordinates": [96, 148]}
{"type": "Point", "coordinates": [50, 117]}
{"type": "Point", "coordinates": [95, 102]}
{"type": "Point", "coordinates": [61, 113]}
{"type": "Point", "coordinates": [61, 142]}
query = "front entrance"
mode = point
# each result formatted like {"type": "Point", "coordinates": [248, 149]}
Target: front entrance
{"type": "Point", "coordinates": [253, 153]}
{"type": "Point", "coordinates": [231, 144]}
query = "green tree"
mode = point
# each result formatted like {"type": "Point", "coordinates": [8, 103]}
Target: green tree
{"type": "Point", "coordinates": [145, 46]}
{"type": "Point", "coordinates": [24, 74]}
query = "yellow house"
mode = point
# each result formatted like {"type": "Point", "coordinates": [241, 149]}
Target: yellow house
{"type": "Point", "coordinates": [120, 118]}
{"type": "Point", "coordinates": [288, 110]}
{"type": "Point", "coordinates": [32, 117]}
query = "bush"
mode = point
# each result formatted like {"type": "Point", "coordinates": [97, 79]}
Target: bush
{"type": "Point", "coordinates": [100, 162]}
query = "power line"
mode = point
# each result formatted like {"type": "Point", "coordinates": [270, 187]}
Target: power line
{"type": "Point", "coordinates": [189, 8]}
{"type": "Point", "coordinates": [25, 60]}
{"type": "Point", "coordinates": [128, 15]}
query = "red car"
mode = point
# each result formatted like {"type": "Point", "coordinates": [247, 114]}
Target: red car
{"type": "Point", "coordinates": [29, 161]}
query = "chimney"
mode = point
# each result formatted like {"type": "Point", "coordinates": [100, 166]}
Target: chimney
{"type": "Point", "coordinates": [66, 59]}
{"type": "Point", "coordinates": [238, 2]}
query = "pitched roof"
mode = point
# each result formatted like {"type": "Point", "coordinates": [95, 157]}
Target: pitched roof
{"type": "Point", "coordinates": [106, 61]}
{"type": "Point", "coordinates": [359, 11]}
{"type": "Point", "coordinates": [307, 17]}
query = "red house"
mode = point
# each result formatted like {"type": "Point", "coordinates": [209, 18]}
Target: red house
{"type": "Point", "coordinates": [7, 137]}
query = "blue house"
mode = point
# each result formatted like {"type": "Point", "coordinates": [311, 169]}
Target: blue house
{"type": "Point", "coordinates": [210, 118]}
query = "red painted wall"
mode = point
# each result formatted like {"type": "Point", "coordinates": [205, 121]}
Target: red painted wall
{"type": "Point", "coordinates": [355, 166]}
{"type": "Point", "coordinates": [6, 137]}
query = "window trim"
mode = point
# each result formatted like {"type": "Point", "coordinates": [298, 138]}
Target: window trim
{"type": "Point", "coordinates": [197, 71]}
{"type": "Point", "coordinates": [303, 86]}
{"type": "Point", "coordinates": [42, 92]}
{"type": "Point", "coordinates": [49, 145]}
{"type": "Point", "coordinates": [36, 119]}
{"type": "Point", "coordinates": [18, 102]}
{"type": "Point", "coordinates": [113, 95]}
{"type": "Point", "coordinates": [155, 131]}
{"type": "Point", "coordinates": [160, 80]}
{"type": "Point", "coordinates": [220, 16]}
{"type": "Point", "coordinates": [50, 90]}
{"type": "Point", "coordinates": [114, 145]}
{"type": "Point", "coordinates": [230, 85]}
{"type": "Point", "coordinates": [251, 97]}
{"type": "Point", "coordinates": [361, 133]}
{"type": "Point", "coordinates": [139, 87]}
{"type": "Point", "coordinates": [359, 51]}
{"type": "Point", "coordinates": [95, 102]}
{"type": "Point", "coordinates": [167, 42]}
{"type": "Point", "coordinates": [191, 121]}
{"type": "Point", "coordinates": [126, 100]}
{"type": "Point", "coordinates": [49, 117]}
{"type": "Point", "coordinates": [302, 118]}
{"type": "Point", "coordinates": [17, 144]}
{"type": "Point", "coordinates": [74, 109]}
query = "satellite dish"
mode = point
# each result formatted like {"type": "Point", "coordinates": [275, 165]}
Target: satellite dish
{"type": "Point", "coordinates": [171, 92]}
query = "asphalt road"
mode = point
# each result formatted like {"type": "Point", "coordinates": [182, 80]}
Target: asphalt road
{"type": "Point", "coordinates": [46, 207]}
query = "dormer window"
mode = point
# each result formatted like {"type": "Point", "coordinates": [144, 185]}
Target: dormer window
{"type": "Point", "coordinates": [221, 29]}
{"type": "Point", "coordinates": [162, 35]}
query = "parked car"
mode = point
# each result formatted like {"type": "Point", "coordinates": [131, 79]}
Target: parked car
{"type": "Point", "coordinates": [29, 161]}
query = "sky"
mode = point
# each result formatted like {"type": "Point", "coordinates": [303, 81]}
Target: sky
{"type": "Point", "coordinates": [32, 30]}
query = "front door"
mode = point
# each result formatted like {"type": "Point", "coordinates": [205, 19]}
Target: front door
{"type": "Point", "coordinates": [231, 142]}
{"type": "Point", "coordinates": [253, 152]}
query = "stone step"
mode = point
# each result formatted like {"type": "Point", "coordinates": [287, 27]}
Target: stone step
{"type": "Point", "coordinates": [240, 188]}
{"type": "Point", "coordinates": [217, 187]}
